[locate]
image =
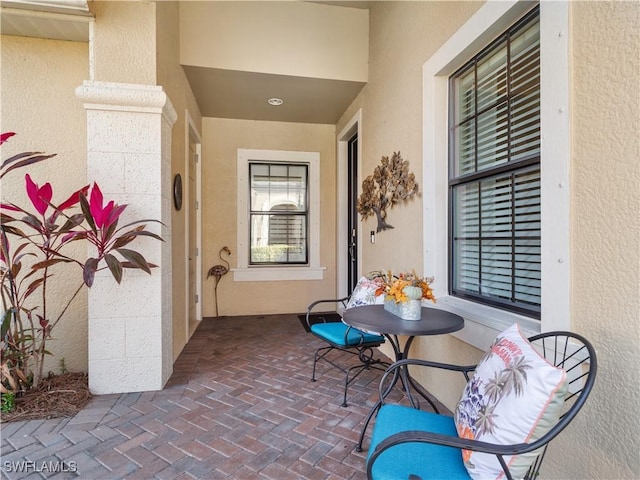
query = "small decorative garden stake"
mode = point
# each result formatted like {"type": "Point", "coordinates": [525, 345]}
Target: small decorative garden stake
{"type": "Point", "coordinates": [217, 271]}
{"type": "Point", "coordinates": [390, 184]}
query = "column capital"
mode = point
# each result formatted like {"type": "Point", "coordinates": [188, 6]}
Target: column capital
{"type": "Point", "coordinates": [126, 97]}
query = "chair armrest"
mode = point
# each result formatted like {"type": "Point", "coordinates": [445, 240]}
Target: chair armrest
{"type": "Point", "coordinates": [394, 370]}
{"type": "Point", "coordinates": [318, 302]}
{"type": "Point", "coordinates": [451, 441]}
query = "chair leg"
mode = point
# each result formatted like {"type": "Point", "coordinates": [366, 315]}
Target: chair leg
{"type": "Point", "coordinates": [347, 381]}
{"type": "Point", "coordinates": [367, 362]}
{"type": "Point", "coordinates": [317, 357]}
{"type": "Point", "coordinates": [365, 356]}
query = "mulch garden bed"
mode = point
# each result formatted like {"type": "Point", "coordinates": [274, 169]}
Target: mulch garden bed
{"type": "Point", "coordinates": [57, 396]}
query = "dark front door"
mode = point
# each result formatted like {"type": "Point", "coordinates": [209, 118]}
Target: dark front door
{"type": "Point", "coordinates": [352, 215]}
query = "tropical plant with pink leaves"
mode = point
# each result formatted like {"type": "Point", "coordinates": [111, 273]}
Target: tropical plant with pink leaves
{"type": "Point", "coordinates": [33, 243]}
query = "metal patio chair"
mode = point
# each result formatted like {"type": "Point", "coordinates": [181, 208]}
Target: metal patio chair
{"type": "Point", "coordinates": [408, 443]}
{"type": "Point", "coordinates": [344, 338]}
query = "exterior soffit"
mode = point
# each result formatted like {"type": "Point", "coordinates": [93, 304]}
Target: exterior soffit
{"type": "Point", "coordinates": [56, 20]}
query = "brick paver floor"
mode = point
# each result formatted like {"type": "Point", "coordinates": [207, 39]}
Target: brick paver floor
{"type": "Point", "coordinates": [240, 405]}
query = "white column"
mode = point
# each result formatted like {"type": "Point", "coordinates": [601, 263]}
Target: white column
{"type": "Point", "coordinates": [129, 156]}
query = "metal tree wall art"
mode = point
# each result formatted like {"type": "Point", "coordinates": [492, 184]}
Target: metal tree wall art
{"type": "Point", "coordinates": [390, 184]}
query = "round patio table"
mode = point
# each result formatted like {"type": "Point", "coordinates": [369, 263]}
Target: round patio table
{"type": "Point", "coordinates": [374, 318]}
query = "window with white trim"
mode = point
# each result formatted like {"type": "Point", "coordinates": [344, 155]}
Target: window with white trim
{"type": "Point", "coordinates": [278, 216]}
{"type": "Point", "coordinates": [494, 173]}
{"type": "Point", "coordinates": [483, 320]}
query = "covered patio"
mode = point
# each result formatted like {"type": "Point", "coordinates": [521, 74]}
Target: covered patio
{"type": "Point", "coordinates": [125, 107]}
{"type": "Point", "coordinates": [240, 404]}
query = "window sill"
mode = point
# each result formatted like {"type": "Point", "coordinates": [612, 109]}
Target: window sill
{"type": "Point", "coordinates": [483, 323]}
{"type": "Point", "coordinates": [268, 274]}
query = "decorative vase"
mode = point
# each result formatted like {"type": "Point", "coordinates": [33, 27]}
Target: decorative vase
{"type": "Point", "coordinates": [409, 310]}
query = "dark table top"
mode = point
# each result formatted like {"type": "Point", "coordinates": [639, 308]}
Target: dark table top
{"type": "Point", "coordinates": [375, 318]}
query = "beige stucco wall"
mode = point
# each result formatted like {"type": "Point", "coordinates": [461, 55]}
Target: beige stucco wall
{"type": "Point", "coordinates": [605, 228]}
{"type": "Point", "coordinates": [39, 78]}
{"type": "Point", "coordinates": [50, 118]}
{"type": "Point", "coordinates": [285, 38]}
{"type": "Point", "coordinates": [125, 42]}
{"type": "Point", "coordinates": [221, 140]}
{"type": "Point", "coordinates": [137, 42]}
{"type": "Point", "coordinates": [173, 80]}
{"type": "Point", "coordinates": [403, 36]}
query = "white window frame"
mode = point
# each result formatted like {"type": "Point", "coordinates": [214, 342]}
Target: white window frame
{"type": "Point", "coordinates": [264, 273]}
{"type": "Point", "coordinates": [482, 322]}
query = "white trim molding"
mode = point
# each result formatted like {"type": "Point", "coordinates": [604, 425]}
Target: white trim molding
{"type": "Point", "coordinates": [261, 273]}
{"type": "Point", "coordinates": [191, 131]}
{"type": "Point", "coordinates": [492, 19]}
{"type": "Point", "coordinates": [354, 125]}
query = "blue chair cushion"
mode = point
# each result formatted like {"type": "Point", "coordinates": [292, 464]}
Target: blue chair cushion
{"type": "Point", "coordinates": [335, 333]}
{"type": "Point", "coordinates": [424, 460]}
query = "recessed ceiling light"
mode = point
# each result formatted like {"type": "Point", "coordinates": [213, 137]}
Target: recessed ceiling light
{"type": "Point", "coordinates": [275, 101]}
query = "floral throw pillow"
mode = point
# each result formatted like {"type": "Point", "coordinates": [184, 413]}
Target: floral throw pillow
{"type": "Point", "coordinates": [514, 396]}
{"type": "Point", "coordinates": [364, 293]}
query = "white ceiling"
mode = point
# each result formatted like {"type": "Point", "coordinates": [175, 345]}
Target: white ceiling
{"type": "Point", "coordinates": [219, 93]}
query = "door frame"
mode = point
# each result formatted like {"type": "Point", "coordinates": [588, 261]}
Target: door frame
{"type": "Point", "coordinates": [353, 126]}
{"type": "Point", "coordinates": [191, 132]}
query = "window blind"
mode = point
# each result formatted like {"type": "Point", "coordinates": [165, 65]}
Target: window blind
{"type": "Point", "coordinates": [495, 173]}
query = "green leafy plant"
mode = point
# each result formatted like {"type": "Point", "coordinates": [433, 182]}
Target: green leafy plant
{"type": "Point", "coordinates": [63, 366]}
{"type": "Point", "coordinates": [33, 244]}
{"type": "Point", "coordinates": [7, 402]}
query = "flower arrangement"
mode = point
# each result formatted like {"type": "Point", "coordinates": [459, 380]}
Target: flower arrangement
{"type": "Point", "coordinates": [404, 286]}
